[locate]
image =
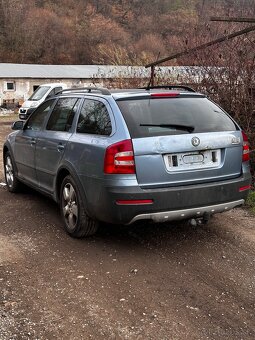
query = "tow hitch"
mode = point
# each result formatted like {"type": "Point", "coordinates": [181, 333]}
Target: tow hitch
{"type": "Point", "coordinates": [194, 222]}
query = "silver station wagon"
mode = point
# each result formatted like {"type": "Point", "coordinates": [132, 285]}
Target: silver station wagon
{"type": "Point", "coordinates": [159, 154]}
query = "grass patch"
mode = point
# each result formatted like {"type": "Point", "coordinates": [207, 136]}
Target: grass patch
{"type": "Point", "coordinates": [250, 202]}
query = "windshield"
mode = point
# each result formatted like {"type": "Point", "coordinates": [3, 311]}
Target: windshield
{"type": "Point", "coordinates": [39, 93]}
{"type": "Point", "coordinates": [172, 116]}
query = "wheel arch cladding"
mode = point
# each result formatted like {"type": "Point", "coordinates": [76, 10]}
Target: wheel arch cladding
{"type": "Point", "coordinates": [68, 170]}
{"type": "Point", "coordinates": [60, 177]}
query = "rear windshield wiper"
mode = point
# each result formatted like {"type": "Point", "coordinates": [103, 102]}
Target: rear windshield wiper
{"type": "Point", "coordinates": [174, 126]}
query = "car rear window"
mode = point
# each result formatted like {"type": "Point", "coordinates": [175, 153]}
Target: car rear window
{"type": "Point", "coordinates": [170, 116]}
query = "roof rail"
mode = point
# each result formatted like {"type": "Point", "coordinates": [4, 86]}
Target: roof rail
{"type": "Point", "coordinates": [170, 87]}
{"type": "Point", "coordinates": [102, 90]}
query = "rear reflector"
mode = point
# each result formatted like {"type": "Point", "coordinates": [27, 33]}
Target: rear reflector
{"type": "Point", "coordinates": [119, 158]}
{"type": "Point", "coordinates": [247, 187]}
{"type": "Point", "coordinates": [165, 95]}
{"type": "Point", "coordinates": [246, 148]}
{"type": "Point", "coordinates": [133, 202]}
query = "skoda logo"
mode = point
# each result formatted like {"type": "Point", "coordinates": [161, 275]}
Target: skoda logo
{"type": "Point", "coordinates": [195, 141]}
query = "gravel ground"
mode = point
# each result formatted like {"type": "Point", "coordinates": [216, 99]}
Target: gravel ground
{"type": "Point", "coordinates": [167, 281]}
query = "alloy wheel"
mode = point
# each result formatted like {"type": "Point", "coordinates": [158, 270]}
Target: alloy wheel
{"type": "Point", "coordinates": [70, 206]}
{"type": "Point", "coordinates": [9, 174]}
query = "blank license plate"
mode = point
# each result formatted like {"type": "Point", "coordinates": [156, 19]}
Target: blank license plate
{"type": "Point", "coordinates": [193, 160]}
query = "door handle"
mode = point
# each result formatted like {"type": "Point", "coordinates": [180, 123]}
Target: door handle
{"type": "Point", "coordinates": [32, 141]}
{"type": "Point", "coordinates": [60, 147]}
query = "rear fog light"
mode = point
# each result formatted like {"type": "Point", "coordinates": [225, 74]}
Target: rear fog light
{"type": "Point", "coordinates": [246, 187]}
{"type": "Point", "coordinates": [133, 202]}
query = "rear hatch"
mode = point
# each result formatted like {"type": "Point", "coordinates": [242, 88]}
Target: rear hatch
{"type": "Point", "coordinates": [181, 139]}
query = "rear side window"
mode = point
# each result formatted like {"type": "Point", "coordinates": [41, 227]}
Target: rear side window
{"type": "Point", "coordinates": [171, 116]}
{"type": "Point", "coordinates": [94, 118]}
{"type": "Point", "coordinates": [62, 115]}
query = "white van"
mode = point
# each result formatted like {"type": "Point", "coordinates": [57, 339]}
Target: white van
{"type": "Point", "coordinates": [41, 93]}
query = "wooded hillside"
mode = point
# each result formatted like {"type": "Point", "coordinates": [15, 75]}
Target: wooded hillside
{"type": "Point", "coordinates": [109, 31]}
{"type": "Point", "coordinates": [137, 32]}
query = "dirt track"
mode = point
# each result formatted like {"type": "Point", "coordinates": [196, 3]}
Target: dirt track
{"type": "Point", "coordinates": [168, 281]}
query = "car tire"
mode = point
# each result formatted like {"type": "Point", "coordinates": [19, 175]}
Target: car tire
{"type": "Point", "coordinates": [76, 221]}
{"type": "Point", "coordinates": [13, 184]}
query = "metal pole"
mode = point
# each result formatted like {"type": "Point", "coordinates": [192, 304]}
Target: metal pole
{"type": "Point", "coordinates": [200, 47]}
{"type": "Point", "coordinates": [236, 19]}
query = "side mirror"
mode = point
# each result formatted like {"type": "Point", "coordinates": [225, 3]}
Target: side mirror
{"type": "Point", "coordinates": [18, 125]}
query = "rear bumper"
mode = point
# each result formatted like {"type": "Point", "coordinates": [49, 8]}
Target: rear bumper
{"type": "Point", "coordinates": [174, 215]}
{"type": "Point", "coordinates": [171, 203]}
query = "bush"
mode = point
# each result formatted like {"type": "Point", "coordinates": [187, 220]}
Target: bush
{"type": "Point", "coordinates": [250, 202]}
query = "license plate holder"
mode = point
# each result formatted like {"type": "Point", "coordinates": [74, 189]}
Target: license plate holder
{"type": "Point", "coordinates": [193, 160]}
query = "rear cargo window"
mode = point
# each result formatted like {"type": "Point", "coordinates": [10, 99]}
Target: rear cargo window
{"type": "Point", "coordinates": [171, 116]}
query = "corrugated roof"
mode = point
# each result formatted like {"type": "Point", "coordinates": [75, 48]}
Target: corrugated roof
{"type": "Point", "coordinates": [8, 70]}
{"type": "Point", "coordinates": [70, 71]}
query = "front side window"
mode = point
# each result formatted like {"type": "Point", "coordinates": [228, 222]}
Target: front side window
{"type": "Point", "coordinates": [57, 89]}
{"type": "Point", "coordinates": [39, 93]}
{"type": "Point", "coordinates": [36, 120]}
{"type": "Point", "coordinates": [54, 91]}
{"type": "Point", "coordinates": [94, 118]}
{"type": "Point", "coordinates": [62, 116]}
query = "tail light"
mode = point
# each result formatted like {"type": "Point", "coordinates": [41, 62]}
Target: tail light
{"type": "Point", "coordinates": [119, 158]}
{"type": "Point", "coordinates": [246, 148]}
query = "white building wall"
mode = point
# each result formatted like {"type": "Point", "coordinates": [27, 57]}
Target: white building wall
{"type": "Point", "coordinates": [23, 88]}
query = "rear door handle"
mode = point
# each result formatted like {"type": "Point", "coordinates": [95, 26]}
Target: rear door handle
{"type": "Point", "coordinates": [60, 147]}
{"type": "Point", "coordinates": [32, 141]}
